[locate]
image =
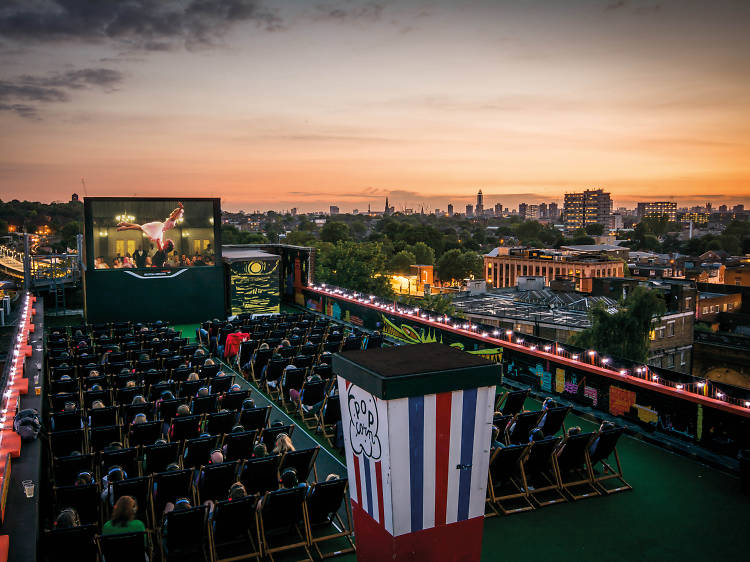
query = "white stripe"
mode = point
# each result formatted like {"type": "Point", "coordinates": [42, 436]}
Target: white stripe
{"type": "Point", "coordinates": [345, 425]}
{"type": "Point", "coordinates": [363, 499]}
{"type": "Point", "coordinates": [398, 436]}
{"type": "Point", "coordinates": [374, 487]}
{"type": "Point", "coordinates": [385, 465]}
{"type": "Point", "coordinates": [480, 461]}
{"type": "Point", "coordinates": [428, 486]}
{"type": "Point", "coordinates": [457, 408]}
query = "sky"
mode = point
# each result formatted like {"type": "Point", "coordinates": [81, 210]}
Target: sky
{"type": "Point", "coordinates": [308, 104]}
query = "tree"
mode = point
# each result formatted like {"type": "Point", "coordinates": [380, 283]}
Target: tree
{"type": "Point", "coordinates": [625, 333]}
{"type": "Point", "coordinates": [423, 254]}
{"type": "Point", "coordinates": [352, 265]}
{"type": "Point", "coordinates": [455, 264]}
{"type": "Point", "coordinates": [335, 231]}
{"type": "Point", "coordinates": [300, 238]}
{"type": "Point", "coordinates": [402, 262]}
{"type": "Point", "coordinates": [69, 232]}
{"type": "Point", "coordinates": [594, 229]}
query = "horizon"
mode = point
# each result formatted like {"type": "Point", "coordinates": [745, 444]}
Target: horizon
{"type": "Point", "coordinates": [274, 106]}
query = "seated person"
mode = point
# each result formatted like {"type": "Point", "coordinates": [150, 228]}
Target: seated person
{"type": "Point", "coordinates": [288, 481]}
{"type": "Point", "coordinates": [603, 427]}
{"type": "Point", "coordinates": [496, 439]}
{"type": "Point", "coordinates": [536, 434]}
{"type": "Point", "coordinates": [182, 410]}
{"type": "Point", "coordinates": [236, 490]}
{"type": "Point", "coordinates": [114, 474]}
{"type": "Point", "coordinates": [67, 519]}
{"type": "Point", "coordinates": [546, 405]}
{"type": "Point", "coordinates": [123, 519]}
{"type": "Point", "coordinates": [283, 444]}
{"type": "Point", "coordinates": [260, 451]}
{"type": "Point", "coordinates": [84, 478]}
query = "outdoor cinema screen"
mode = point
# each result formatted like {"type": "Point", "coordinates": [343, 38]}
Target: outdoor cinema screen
{"type": "Point", "coordinates": [133, 233]}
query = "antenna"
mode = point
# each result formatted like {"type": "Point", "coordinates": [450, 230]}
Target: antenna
{"type": "Point", "coordinates": [85, 191]}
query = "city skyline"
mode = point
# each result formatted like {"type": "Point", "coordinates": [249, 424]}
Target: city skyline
{"type": "Point", "coordinates": [274, 106]}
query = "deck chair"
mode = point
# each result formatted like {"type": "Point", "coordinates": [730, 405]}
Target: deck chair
{"type": "Point", "coordinates": [62, 443]}
{"type": "Point", "coordinates": [293, 379]}
{"type": "Point", "coordinates": [511, 402]}
{"type": "Point", "coordinates": [521, 426]}
{"type": "Point", "coordinates": [325, 501]}
{"type": "Point", "coordinates": [125, 458]}
{"type": "Point", "coordinates": [282, 522]}
{"type": "Point", "coordinates": [604, 449]}
{"type": "Point", "coordinates": [129, 411]}
{"type": "Point", "coordinates": [209, 371]}
{"type": "Point", "coordinates": [506, 489]}
{"type": "Point", "coordinates": [219, 423]}
{"type": "Point", "coordinates": [57, 401]}
{"type": "Point", "coordinates": [205, 404]}
{"type": "Point", "coordinates": [239, 445]}
{"type": "Point", "coordinates": [168, 486]}
{"type": "Point", "coordinates": [188, 389]}
{"type": "Point", "coordinates": [313, 394]}
{"type": "Point", "coordinates": [69, 386]}
{"type": "Point", "coordinates": [324, 371]}
{"type": "Point", "coordinates": [157, 389]}
{"type": "Point", "coordinates": [274, 370]}
{"type": "Point", "coordinates": [543, 483]}
{"type": "Point", "coordinates": [574, 468]}
{"type": "Point", "coordinates": [185, 535]}
{"type": "Point", "coordinates": [502, 422]}
{"type": "Point", "coordinates": [91, 396]}
{"type": "Point", "coordinates": [157, 457]}
{"type": "Point", "coordinates": [255, 418]}
{"type": "Point", "coordinates": [220, 385]}
{"type": "Point", "coordinates": [269, 435]}
{"type": "Point", "coordinates": [302, 461]}
{"type": "Point", "coordinates": [86, 500]}
{"type": "Point", "coordinates": [144, 433]}
{"type": "Point", "coordinates": [233, 400]}
{"type": "Point", "coordinates": [197, 451]}
{"type": "Point", "coordinates": [58, 544]}
{"type": "Point", "coordinates": [63, 421]}
{"type": "Point", "coordinates": [100, 437]}
{"type": "Point", "coordinates": [261, 359]}
{"type": "Point", "coordinates": [234, 533]}
{"type": "Point", "coordinates": [328, 416]}
{"type": "Point", "coordinates": [140, 488]}
{"type": "Point", "coordinates": [65, 469]}
{"type": "Point", "coordinates": [124, 547]}
{"type": "Point", "coordinates": [260, 475]}
{"type": "Point", "coordinates": [185, 427]}
{"type": "Point", "coordinates": [215, 480]}
{"type": "Point", "coordinates": [103, 417]}
{"type": "Point", "coordinates": [555, 420]}
{"type": "Point", "coordinates": [168, 409]}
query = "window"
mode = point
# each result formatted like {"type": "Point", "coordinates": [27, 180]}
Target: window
{"type": "Point", "coordinates": [669, 360]}
{"type": "Point", "coordinates": [683, 357]}
{"type": "Point", "coordinates": [670, 329]}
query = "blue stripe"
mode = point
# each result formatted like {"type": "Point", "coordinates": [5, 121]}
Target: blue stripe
{"type": "Point", "coordinates": [467, 450]}
{"type": "Point", "coordinates": [416, 458]}
{"type": "Point", "coordinates": [368, 485]}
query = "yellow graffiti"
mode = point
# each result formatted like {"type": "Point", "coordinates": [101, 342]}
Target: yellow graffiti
{"type": "Point", "coordinates": [406, 333]}
{"type": "Point", "coordinates": [495, 354]}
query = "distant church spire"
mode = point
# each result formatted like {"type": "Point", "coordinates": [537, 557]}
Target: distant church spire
{"type": "Point", "coordinates": [387, 208]}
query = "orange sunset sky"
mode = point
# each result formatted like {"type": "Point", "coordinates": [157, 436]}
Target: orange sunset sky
{"type": "Point", "coordinates": [306, 104]}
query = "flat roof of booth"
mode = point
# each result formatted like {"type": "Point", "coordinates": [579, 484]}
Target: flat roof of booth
{"type": "Point", "coordinates": [415, 370]}
{"type": "Point", "coordinates": [230, 254]}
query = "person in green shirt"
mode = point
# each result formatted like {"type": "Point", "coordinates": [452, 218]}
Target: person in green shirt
{"type": "Point", "coordinates": [123, 519]}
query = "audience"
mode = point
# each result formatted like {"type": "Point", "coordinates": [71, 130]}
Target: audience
{"type": "Point", "coordinates": [123, 519]}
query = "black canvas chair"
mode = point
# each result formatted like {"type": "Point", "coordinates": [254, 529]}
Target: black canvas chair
{"type": "Point", "coordinates": [507, 490]}
{"type": "Point", "coordinates": [255, 418]}
{"type": "Point", "coordinates": [157, 389]}
{"type": "Point", "coordinates": [63, 421]}
{"type": "Point", "coordinates": [302, 461]}
{"type": "Point", "coordinates": [185, 535]}
{"type": "Point", "coordinates": [269, 435]}
{"type": "Point", "coordinates": [233, 400]}
{"type": "Point", "coordinates": [606, 447]}
{"type": "Point", "coordinates": [260, 475]}
{"type": "Point", "coordinates": [188, 389]}
{"type": "Point", "coordinates": [292, 379]}
{"type": "Point", "coordinates": [219, 385]}
{"type": "Point", "coordinates": [282, 521]}
{"type": "Point", "coordinates": [324, 371]}
{"type": "Point", "coordinates": [124, 547]}
{"type": "Point", "coordinates": [511, 403]}
{"type": "Point", "coordinates": [144, 433]}
{"type": "Point", "coordinates": [65, 469]}
{"type": "Point", "coordinates": [543, 483]}
{"type": "Point", "coordinates": [325, 502]}
{"type": "Point", "coordinates": [126, 395]}
{"type": "Point", "coordinates": [501, 422]}
{"type": "Point", "coordinates": [574, 468]}
{"type": "Point", "coordinates": [59, 543]}
{"type": "Point", "coordinates": [311, 399]}
{"type": "Point", "coordinates": [65, 442]}
{"type": "Point", "coordinates": [157, 457]}
{"type": "Point", "coordinates": [209, 371]}
{"type": "Point", "coordinates": [198, 451]}
{"type": "Point", "coordinates": [58, 401]}
{"type": "Point", "coordinates": [219, 423]}
{"type": "Point", "coordinates": [235, 529]}
{"type": "Point", "coordinates": [141, 489]}
{"type": "Point", "coordinates": [86, 500]}
{"type": "Point", "coordinates": [168, 408]}
{"type": "Point", "coordinates": [69, 386]}
{"type": "Point", "coordinates": [129, 411]}
{"type": "Point", "coordinates": [91, 396]}
{"type": "Point", "coordinates": [102, 417]}
{"type": "Point", "coordinates": [239, 445]}
{"type": "Point", "coordinates": [215, 480]}
{"type": "Point", "coordinates": [261, 359]}
{"type": "Point", "coordinates": [100, 437]}
{"type": "Point", "coordinates": [127, 459]}
{"type": "Point", "coordinates": [328, 416]}
{"type": "Point", "coordinates": [554, 421]}
{"type": "Point", "coordinates": [205, 404]}
{"type": "Point", "coordinates": [185, 427]}
{"type": "Point", "coordinates": [169, 486]}
{"type": "Point", "coordinates": [521, 426]}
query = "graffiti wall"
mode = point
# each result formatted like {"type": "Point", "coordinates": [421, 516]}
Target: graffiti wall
{"type": "Point", "coordinates": [254, 286]}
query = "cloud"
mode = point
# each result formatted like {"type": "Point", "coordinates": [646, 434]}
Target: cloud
{"type": "Point", "coordinates": [350, 11]}
{"type": "Point", "coordinates": [151, 25]}
{"type": "Point", "coordinates": [52, 88]}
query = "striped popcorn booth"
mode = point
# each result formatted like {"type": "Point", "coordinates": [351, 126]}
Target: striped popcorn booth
{"type": "Point", "coordinates": [417, 423]}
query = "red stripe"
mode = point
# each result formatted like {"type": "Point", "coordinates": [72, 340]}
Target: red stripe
{"type": "Point", "coordinates": [357, 479]}
{"type": "Point", "coordinates": [379, 483]}
{"type": "Point", "coordinates": [442, 452]}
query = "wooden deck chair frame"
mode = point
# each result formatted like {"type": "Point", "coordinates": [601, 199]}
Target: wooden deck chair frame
{"type": "Point", "coordinates": [503, 398]}
{"type": "Point", "coordinates": [253, 535]}
{"type": "Point", "coordinates": [586, 482]}
{"type": "Point", "coordinates": [611, 474]}
{"type": "Point", "coordinates": [522, 493]}
{"type": "Point", "coordinates": [328, 430]}
{"type": "Point", "coordinates": [551, 477]}
{"type": "Point", "coordinates": [205, 549]}
{"type": "Point", "coordinates": [312, 416]}
{"type": "Point", "coordinates": [268, 551]}
{"type": "Point", "coordinates": [345, 532]}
